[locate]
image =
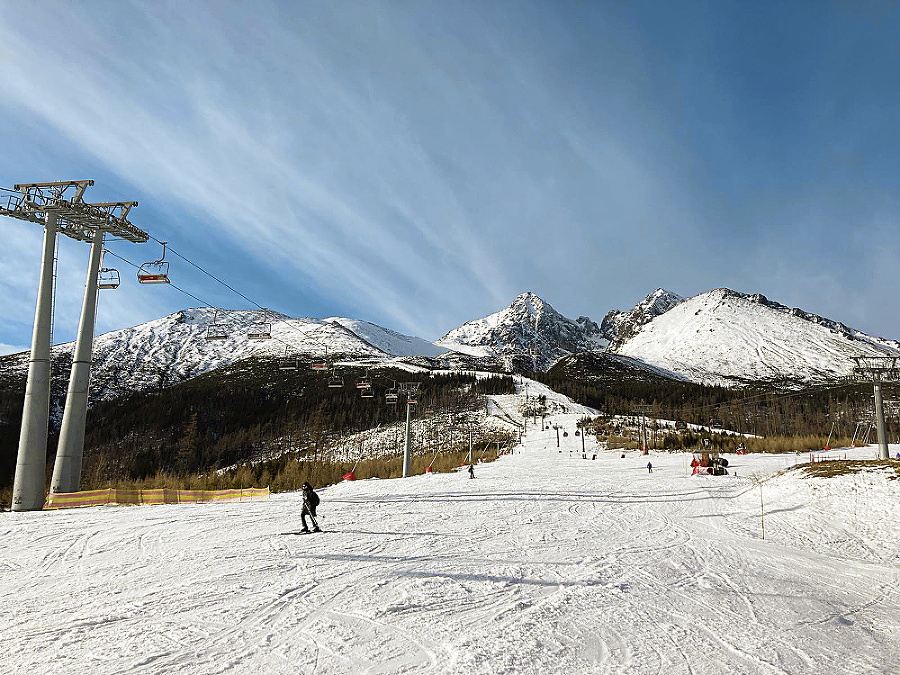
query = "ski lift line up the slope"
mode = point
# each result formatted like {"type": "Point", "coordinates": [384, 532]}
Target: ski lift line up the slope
{"type": "Point", "coordinates": [157, 272]}
{"type": "Point", "coordinates": [217, 330]}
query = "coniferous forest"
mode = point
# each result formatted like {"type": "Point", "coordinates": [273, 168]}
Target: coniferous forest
{"type": "Point", "coordinates": [254, 410]}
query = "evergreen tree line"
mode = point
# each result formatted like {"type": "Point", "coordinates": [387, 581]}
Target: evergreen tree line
{"type": "Point", "coordinates": [758, 410]}
{"type": "Point", "coordinates": [241, 412]}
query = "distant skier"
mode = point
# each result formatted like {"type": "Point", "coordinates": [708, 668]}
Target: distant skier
{"type": "Point", "coordinates": [471, 471]}
{"type": "Point", "coordinates": [649, 467]}
{"type": "Point", "coordinates": [310, 502]}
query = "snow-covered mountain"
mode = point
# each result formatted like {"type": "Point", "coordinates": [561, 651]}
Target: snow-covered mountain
{"type": "Point", "coordinates": [528, 334]}
{"type": "Point", "coordinates": [726, 337]}
{"type": "Point", "coordinates": [718, 337]}
{"type": "Point", "coordinates": [176, 347]}
{"type": "Point", "coordinates": [618, 326]}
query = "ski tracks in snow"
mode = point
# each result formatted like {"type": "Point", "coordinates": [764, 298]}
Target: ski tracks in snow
{"type": "Point", "coordinates": [546, 563]}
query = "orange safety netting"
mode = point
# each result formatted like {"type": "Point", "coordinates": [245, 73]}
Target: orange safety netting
{"type": "Point", "coordinates": [117, 496]}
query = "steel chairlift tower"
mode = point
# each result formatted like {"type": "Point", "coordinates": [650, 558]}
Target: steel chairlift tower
{"type": "Point", "coordinates": [60, 207]}
{"type": "Point", "coordinates": [412, 390]}
{"type": "Point", "coordinates": [878, 369]}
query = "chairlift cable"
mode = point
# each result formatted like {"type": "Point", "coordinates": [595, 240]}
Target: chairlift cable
{"type": "Point", "coordinates": [304, 334]}
{"type": "Point", "coordinates": [210, 275]}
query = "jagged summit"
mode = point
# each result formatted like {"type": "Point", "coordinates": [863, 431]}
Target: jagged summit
{"type": "Point", "coordinates": [618, 326]}
{"type": "Point", "coordinates": [528, 334]}
{"type": "Point", "coordinates": [530, 301]}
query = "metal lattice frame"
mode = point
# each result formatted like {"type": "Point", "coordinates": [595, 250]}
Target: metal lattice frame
{"type": "Point", "coordinates": [75, 218]}
{"type": "Point", "coordinates": [886, 367]}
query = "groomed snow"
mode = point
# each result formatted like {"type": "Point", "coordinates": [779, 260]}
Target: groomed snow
{"type": "Point", "coordinates": [546, 563]}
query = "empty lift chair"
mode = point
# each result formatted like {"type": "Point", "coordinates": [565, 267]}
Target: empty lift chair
{"type": "Point", "coordinates": [365, 387]}
{"type": "Point", "coordinates": [216, 330]}
{"type": "Point", "coordinates": [288, 362]}
{"type": "Point", "coordinates": [391, 395]}
{"type": "Point", "coordinates": [261, 330]}
{"type": "Point", "coordinates": [108, 278]}
{"type": "Point", "coordinates": [335, 381]}
{"type": "Point", "coordinates": [156, 272]}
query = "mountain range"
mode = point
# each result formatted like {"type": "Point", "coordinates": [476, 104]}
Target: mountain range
{"type": "Point", "coordinates": [719, 337]}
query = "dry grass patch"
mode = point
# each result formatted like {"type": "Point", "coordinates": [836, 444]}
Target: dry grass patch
{"type": "Point", "coordinates": [846, 467]}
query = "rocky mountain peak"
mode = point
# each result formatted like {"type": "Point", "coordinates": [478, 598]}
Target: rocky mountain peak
{"type": "Point", "coordinates": [527, 334]}
{"type": "Point", "coordinates": [618, 326]}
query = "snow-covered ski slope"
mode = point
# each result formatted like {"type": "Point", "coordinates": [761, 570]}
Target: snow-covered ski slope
{"type": "Point", "coordinates": [545, 563]}
{"type": "Point", "coordinates": [389, 341]}
{"type": "Point", "coordinates": [723, 337]}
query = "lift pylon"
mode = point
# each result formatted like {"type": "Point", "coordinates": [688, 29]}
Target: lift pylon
{"type": "Point", "coordinates": [59, 206]}
{"type": "Point", "coordinates": [878, 369]}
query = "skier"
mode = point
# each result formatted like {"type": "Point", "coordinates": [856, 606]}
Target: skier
{"type": "Point", "coordinates": [649, 467]}
{"type": "Point", "coordinates": [310, 502]}
{"type": "Point", "coordinates": [471, 471]}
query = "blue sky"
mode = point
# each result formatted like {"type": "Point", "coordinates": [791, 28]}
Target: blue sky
{"type": "Point", "coordinates": [419, 164]}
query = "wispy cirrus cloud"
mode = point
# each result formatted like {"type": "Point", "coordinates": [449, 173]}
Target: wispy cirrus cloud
{"type": "Point", "coordinates": [419, 164]}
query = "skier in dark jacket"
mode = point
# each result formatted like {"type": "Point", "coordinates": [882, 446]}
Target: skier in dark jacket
{"type": "Point", "coordinates": [310, 502]}
{"type": "Point", "coordinates": [649, 467]}
{"type": "Point", "coordinates": [471, 471]}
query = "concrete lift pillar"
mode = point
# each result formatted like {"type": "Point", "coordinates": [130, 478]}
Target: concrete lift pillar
{"type": "Point", "coordinates": [407, 453]}
{"type": "Point", "coordinates": [878, 369]}
{"type": "Point", "coordinates": [67, 468]}
{"type": "Point", "coordinates": [31, 460]}
{"type": "Point", "coordinates": [883, 452]}
{"type": "Point", "coordinates": [59, 206]}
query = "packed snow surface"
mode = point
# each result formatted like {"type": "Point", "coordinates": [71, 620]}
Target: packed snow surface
{"type": "Point", "coordinates": [545, 563]}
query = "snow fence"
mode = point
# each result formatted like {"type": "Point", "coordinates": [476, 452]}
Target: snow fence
{"type": "Point", "coordinates": [122, 497]}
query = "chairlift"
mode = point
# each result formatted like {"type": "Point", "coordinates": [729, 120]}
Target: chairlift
{"type": "Point", "coordinates": [321, 365]}
{"type": "Point", "coordinates": [108, 278]}
{"type": "Point", "coordinates": [260, 331]}
{"type": "Point", "coordinates": [335, 381]}
{"type": "Point", "coordinates": [156, 272]}
{"type": "Point", "coordinates": [366, 392]}
{"type": "Point", "coordinates": [288, 362]}
{"type": "Point", "coordinates": [391, 396]}
{"type": "Point", "coordinates": [364, 383]}
{"type": "Point", "coordinates": [215, 330]}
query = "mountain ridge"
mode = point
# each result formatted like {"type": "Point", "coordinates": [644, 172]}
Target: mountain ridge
{"type": "Point", "coordinates": [718, 337]}
{"type": "Point", "coordinates": [726, 337]}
